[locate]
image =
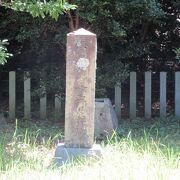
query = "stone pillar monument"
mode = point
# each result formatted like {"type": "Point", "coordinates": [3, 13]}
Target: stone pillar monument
{"type": "Point", "coordinates": [80, 97]}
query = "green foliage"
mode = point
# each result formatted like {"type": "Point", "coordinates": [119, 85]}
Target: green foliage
{"type": "Point", "coordinates": [154, 146]}
{"type": "Point", "coordinates": [119, 17]}
{"type": "Point", "coordinates": [52, 81]}
{"type": "Point", "coordinates": [177, 51]}
{"type": "Point", "coordinates": [4, 55]}
{"type": "Point", "coordinates": [31, 135]}
{"type": "Point", "coordinates": [133, 30]}
{"type": "Point", "coordinates": [109, 75]}
{"type": "Point", "coordinates": [165, 131]}
{"type": "Point", "coordinates": [26, 137]}
{"type": "Point", "coordinates": [38, 8]}
{"type": "Point", "coordinates": [130, 27]}
{"type": "Point", "coordinates": [128, 31]}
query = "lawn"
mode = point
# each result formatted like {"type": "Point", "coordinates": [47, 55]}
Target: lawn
{"type": "Point", "coordinates": [137, 150]}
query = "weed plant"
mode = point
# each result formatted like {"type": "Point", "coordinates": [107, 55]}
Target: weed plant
{"type": "Point", "coordinates": [137, 150]}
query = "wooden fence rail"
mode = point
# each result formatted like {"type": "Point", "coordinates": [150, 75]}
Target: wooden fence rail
{"type": "Point", "coordinates": [118, 99]}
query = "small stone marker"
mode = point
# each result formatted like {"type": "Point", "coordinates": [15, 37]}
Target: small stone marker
{"type": "Point", "coordinates": [106, 120]}
{"type": "Point", "coordinates": [80, 97]}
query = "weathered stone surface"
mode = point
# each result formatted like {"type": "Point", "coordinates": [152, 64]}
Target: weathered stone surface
{"type": "Point", "coordinates": [105, 117]}
{"type": "Point", "coordinates": [80, 98]}
{"type": "Point", "coordinates": [80, 89]}
{"type": "Point", "coordinates": [64, 154]}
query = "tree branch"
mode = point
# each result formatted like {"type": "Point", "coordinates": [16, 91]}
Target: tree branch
{"type": "Point", "coordinates": [71, 22]}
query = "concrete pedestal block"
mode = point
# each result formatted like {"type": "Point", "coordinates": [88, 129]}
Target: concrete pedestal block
{"type": "Point", "coordinates": [105, 117]}
{"type": "Point", "coordinates": [63, 154]}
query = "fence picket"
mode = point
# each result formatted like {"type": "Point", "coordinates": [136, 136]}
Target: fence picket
{"type": "Point", "coordinates": [58, 107]}
{"type": "Point", "coordinates": [27, 95]}
{"type": "Point", "coordinates": [43, 102]}
{"type": "Point", "coordinates": [118, 101]}
{"type": "Point", "coordinates": [163, 94]}
{"type": "Point", "coordinates": [12, 95]}
{"type": "Point", "coordinates": [177, 94]}
{"type": "Point", "coordinates": [132, 95]}
{"type": "Point", "coordinates": [43, 96]}
{"type": "Point", "coordinates": [147, 95]}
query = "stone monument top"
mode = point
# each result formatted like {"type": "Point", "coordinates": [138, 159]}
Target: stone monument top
{"type": "Point", "coordinates": [81, 31]}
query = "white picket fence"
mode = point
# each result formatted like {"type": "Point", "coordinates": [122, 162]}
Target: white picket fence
{"type": "Point", "coordinates": [148, 95]}
{"type": "Point", "coordinates": [118, 98]}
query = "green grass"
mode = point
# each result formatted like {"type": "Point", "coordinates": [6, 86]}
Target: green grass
{"type": "Point", "coordinates": [137, 150]}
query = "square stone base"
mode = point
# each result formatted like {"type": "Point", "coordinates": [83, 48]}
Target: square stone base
{"type": "Point", "coordinates": [63, 153]}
